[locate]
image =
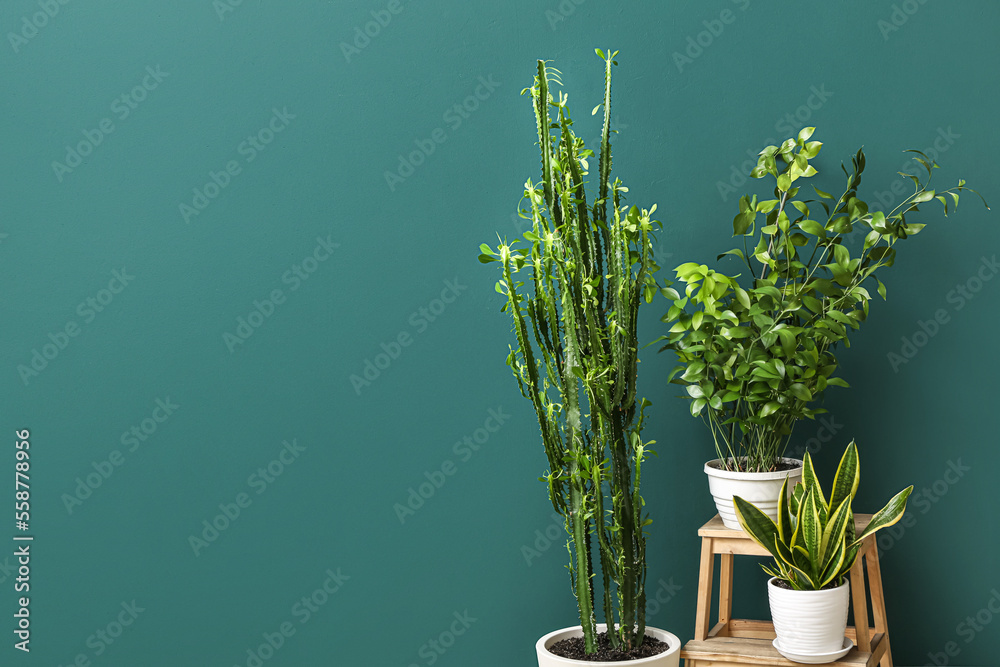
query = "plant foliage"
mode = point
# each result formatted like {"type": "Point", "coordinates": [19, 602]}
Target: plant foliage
{"type": "Point", "coordinates": [754, 358]}
{"type": "Point", "coordinates": [589, 265]}
{"type": "Point", "coordinates": [814, 542]}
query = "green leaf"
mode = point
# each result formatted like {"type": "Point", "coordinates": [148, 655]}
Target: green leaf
{"type": "Point", "coordinates": [878, 222]}
{"type": "Point", "coordinates": [742, 296]}
{"type": "Point", "coordinates": [813, 227]}
{"type": "Point", "coordinates": [742, 222]}
{"type": "Point", "coordinates": [841, 255]}
{"type": "Point", "coordinates": [693, 371]}
{"type": "Point", "coordinates": [770, 408]}
{"type": "Point", "coordinates": [687, 269]}
{"type": "Point", "coordinates": [784, 518]}
{"type": "Point", "coordinates": [800, 392]}
{"type": "Point", "coordinates": [845, 483]}
{"type": "Point", "coordinates": [810, 481]}
{"type": "Point", "coordinates": [788, 342]}
{"type": "Point", "coordinates": [837, 563]}
{"type": "Point", "coordinates": [796, 498]}
{"type": "Point", "coordinates": [805, 133]}
{"type": "Point", "coordinates": [783, 221]}
{"type": "Point", "coordinates": [886, 516]}
{"type": "Point", "coordinates": [784, 182]}
{"type": "Point", "coordinates": [812, 149]}
{"type": "Point", "coordinates": [757, 525]}
{"type": "Point", "coordinates": [833, 534]}
{"type": "Point", "coordinates": [811, 529]}
{"type": "Point", "coordinates": [824, 195]}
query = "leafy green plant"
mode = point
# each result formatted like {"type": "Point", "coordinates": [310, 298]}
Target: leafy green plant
{"type": "Point", "coordinates": [589, 266]}
{"type": "Point", "coordinates": [754, 358]}
{"type": "Point", "coordinates": [814, 542]}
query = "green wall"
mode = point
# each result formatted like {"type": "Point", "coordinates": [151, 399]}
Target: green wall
{"type": "Point", "coordinates": [147, 385]}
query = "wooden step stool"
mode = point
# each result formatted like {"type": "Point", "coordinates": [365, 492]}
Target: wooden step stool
{"type": "Point", "coordinates": [738, 643]}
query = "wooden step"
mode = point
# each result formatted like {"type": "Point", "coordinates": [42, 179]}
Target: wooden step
{"type": "Point", "coordinates": [747, 651]}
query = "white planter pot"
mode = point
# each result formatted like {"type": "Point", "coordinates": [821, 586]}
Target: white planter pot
{"type": "Point", "coordinates": [669, 658]}
{"type": "Point", "coordinates": [809, 622]}
{"type": "Point", "coordinates": [760, 488]}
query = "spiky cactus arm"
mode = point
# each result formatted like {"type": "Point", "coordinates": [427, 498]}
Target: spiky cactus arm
{"type": "Point", "coordinates": [589, 266]}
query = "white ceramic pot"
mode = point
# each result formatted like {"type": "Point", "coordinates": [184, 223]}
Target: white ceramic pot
{"type": "Point", "coordinates": [669, 658]}
{"type": "Point", "coordinates": [809, 622]}
{"type": "Point", "coordinates": [760, 488]}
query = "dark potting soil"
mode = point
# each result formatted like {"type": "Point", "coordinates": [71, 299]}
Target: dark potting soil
{"type": "Point", "coordinates": [781, 583]}
{"type": "Point", "coordinates": [573, 649]}
{"type": "Point", "coordinates": [780, 466]}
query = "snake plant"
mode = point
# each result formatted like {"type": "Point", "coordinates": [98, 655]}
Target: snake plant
{"type": "Point", "coordinates": [814, 542]}
{"type": "Point", "coordinates": [589, 267]}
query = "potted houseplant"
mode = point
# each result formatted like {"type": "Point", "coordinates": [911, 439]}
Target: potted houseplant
{"type": "Point", "coordinates": [757, 350]}
{"type": "Point", "coordinates": [814, 547]}
{"type": "Point", "coordinates": [588, 266]}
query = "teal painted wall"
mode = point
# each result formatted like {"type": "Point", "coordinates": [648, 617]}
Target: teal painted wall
{"type": "Point", "coordinates": [149, 387]}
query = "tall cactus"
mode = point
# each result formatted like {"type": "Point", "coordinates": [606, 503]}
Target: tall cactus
{"type": "Point", "coordinates": [589, 268]}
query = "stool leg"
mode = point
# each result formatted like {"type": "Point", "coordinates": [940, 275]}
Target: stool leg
{"type": "Point", "coordinates": [860, 604]}
{"type": "Point", "coordinates": [878, 603]}
{"type": "Point", "coordinates": [701, 626]}
{"type": "Point", "coordinates": [725, 590]}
